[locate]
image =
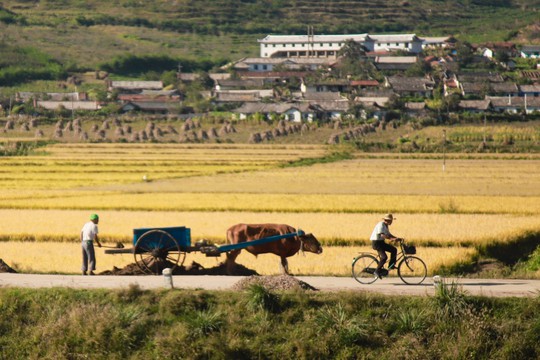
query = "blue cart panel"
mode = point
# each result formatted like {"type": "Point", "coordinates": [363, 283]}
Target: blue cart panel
{"type": "Point", "coordinates": [181, 234]}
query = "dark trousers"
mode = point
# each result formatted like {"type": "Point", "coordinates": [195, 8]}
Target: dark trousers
{"type": "Point", "coordinates": [88, 256]}
{"type": "Point", "coordinates": [382, 248]}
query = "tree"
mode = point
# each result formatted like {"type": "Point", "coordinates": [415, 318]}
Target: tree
{"type": "Point", "coordinates": [464, 53]}
{"type": "Point", "coordinates": [352, 50]}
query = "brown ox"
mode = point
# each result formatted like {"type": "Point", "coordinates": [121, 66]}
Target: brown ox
{"type": "Point", "coordinates": [283, 248]}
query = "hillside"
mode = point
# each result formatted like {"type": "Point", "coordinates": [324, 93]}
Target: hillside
{"type": "Point", "coordinates": [88, 33]}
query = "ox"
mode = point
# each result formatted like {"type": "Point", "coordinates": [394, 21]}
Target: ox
{"type": "Point", "coordinates": [283, 248]}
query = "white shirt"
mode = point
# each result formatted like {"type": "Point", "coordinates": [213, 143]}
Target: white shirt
{"type": "Point", "coordinates": [89, 231]}
{"type": "Point", "coordinates": [380, 228]}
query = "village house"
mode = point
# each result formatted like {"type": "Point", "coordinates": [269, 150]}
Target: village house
{"type": "Point", "coordinates": [151, 95]}
{"type": "Point", "coordinates": [516, 104]}
{"type": "Point", "coordinates": [441, 42]}
{"type": "Point", "coordinates": [295, 112]}
{"type": "Point", "coordinates": [134, 86]}
{"type": "Point", "coordinates": [24, 96]}
{"type": "Point", "coordinates": [333, 85]}
{"type": "Point", "coordinates": [529, 90]}
{"type": "Point", "coordinates": [68, 105]}
{"type": "Point", "coordinates": [475, 106]}
{"type": "Point", "coordinates": [239, 84]}
{"type": "Point", "coordinates": [153, 107]}
{"type": "Point", "coordinates": [530, 51]}
{"type": "Point", "coordinates": [254, 95]}
{"type": "Point", "coordinates": [411, 86]}
{"type": "Point", "coordinates": [265, 64]}
{"type": "Point", "coordinates": [395, 63]}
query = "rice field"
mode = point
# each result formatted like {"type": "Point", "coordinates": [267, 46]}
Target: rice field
{"type": "Point", "coordinates": [422, 229]}
{"type": "Point", "coordinates": [68, 166]}
{"type": "Point", "coordinates": [45, 199]}
{"type": "Point", "coordinates": [65, 258]}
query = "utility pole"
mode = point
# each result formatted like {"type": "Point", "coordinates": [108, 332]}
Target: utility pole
{"type": "Point", "coordinates": [311, 38]}
{"type": "Point", "coordinates": [444, 151]}
{"type": "Point", "coordinates": [484, 129]}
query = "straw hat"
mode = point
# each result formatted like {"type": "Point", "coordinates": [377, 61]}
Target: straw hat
{"type": "Point", "coordinates": [389, 217]}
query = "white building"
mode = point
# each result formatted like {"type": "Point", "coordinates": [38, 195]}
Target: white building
{"type": "Point", "coordinates": [530, 51]}
{"type": "Point", "coordinates": [329, 45]}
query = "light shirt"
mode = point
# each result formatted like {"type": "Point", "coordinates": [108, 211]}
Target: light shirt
{"type": "Point", "coordinates": [89, 231]}
{"type": "Point", "coordinates": [380, 228]}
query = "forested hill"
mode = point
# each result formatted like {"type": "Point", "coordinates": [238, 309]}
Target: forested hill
{"type": "Point", "coordinates": [91, 31]}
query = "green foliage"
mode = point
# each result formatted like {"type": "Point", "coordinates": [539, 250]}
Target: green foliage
{"type": "Point", "coordinates": [338, 153]}
{"type": "Point", "coordinates": [260, 298]}
{"type": "Point", "coordinates": [412, 320]}
{"type": "Point", "coordinates": [448, 207]}
{"type": "Point", "coordinates": [204, 322]}
{"type": "Point", "coordinates": [103, 324]}
{"type": "Point", "coordinates": [21, 148]}
{"type": "Point", "coordinates": [130, 65]}
{"type": "Point", "coordinates": [533, 262]}
{"type": "Point", "coordinates": [348, 329]}
{"type": "Point", "coordinates": [18, 65]}
{"type": "Point", "coordinates": [450, 300]}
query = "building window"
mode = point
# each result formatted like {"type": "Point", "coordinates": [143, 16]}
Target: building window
{"type": "Point", "coordinates": [321, 44]}
{"type": "Point", "coordinates": [397, 44]}
{"type": "Point", "coordinates": [293, 45]}
{"type": "Point", "coordinates": [387, 44]}
{"type": "Point", "coordinates": [256, 67]}
{"type": "Point", "coordinates": [406, 45]}
{"type": "Point", "coordinates": [265, 45]}
{"type": "Point", "coordinates": [303, 45]}
{"type": "Point", "coordinates": [274, 45]}
{"type": "Point", "coordinates": [264, 67]}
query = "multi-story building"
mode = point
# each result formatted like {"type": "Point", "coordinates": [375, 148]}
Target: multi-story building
{"type": "Point", "coordinates": [273, 46]}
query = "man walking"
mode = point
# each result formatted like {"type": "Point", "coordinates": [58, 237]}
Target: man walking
{"type": "Point", "coordinates": [89, 234]}
{"type": "Point", "coordinates": [381, 233]}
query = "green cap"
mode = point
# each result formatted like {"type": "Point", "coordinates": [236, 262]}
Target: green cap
{"type": "Point", "coordinates": [94, 217]}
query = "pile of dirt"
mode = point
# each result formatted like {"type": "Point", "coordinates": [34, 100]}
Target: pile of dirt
{"type": "Point", "coordinates": [193, 269]}
{"type": "Point", "coordinates": [5, 268]}
{"type": "Point", "coordinates": [279, 282]}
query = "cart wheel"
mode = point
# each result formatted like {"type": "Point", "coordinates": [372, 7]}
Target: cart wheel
{"type": "Point", "coordinates": [156, 250]}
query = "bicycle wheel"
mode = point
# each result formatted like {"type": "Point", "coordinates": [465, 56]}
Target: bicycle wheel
{"type": "Point", "coordinates": [412, 270]}
{"type": "Point", "coordinates": [363, 268]}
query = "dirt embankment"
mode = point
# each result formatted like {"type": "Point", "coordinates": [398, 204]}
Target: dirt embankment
{"type": "Point", "coordinates": [193, 269]}
{"type": "Point", "coordinates": [5, 268]}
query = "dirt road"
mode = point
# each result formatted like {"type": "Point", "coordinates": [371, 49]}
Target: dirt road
{"type": "Point", "coordinates": [389, 286]}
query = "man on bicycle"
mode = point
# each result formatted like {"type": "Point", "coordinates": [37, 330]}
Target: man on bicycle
{"type": "Point", "coordinates": [381, 233]}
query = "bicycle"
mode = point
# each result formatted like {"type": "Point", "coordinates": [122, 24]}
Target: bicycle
{"type": "Point", "coordinates": [411, 269]}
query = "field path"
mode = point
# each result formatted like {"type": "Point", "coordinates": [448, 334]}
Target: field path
{"type": "Point", "coordinates": [388, 286]}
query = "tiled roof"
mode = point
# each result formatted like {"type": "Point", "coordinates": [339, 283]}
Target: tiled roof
{"type": "Point", "coordinates": [316, 38]}
{"type": "Point", "coordinates": [364, 83]}
{"type": "Point", "coordinates": [155, 85]}
{"type": "Point", "coordinates": [474, 104]}
{"type": "Point", "coordinates": [279, 108]}
{"type": "Point", "coordinates": [70, 105]}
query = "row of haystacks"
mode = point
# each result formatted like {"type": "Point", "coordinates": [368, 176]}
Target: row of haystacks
{"type": "Point", "coordinates": [357, 132]}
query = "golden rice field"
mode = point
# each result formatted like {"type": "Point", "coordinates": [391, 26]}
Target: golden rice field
{"type": "Point", "coordinates": [441, 229]}
{"type": "Point", "coordinates": [65, 258]}
{"type": "Point", "coordinates": [81, 165]}
{"type": "Point", "coordinates": [48, 197]}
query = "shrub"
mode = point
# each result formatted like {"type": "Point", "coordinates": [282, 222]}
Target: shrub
{"type": "Point", "coordinates": [260, 298]}
{"type": "Point", "coordinates": [450, 300]}
{"type": "Point", "coordinates": [204, 322]}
